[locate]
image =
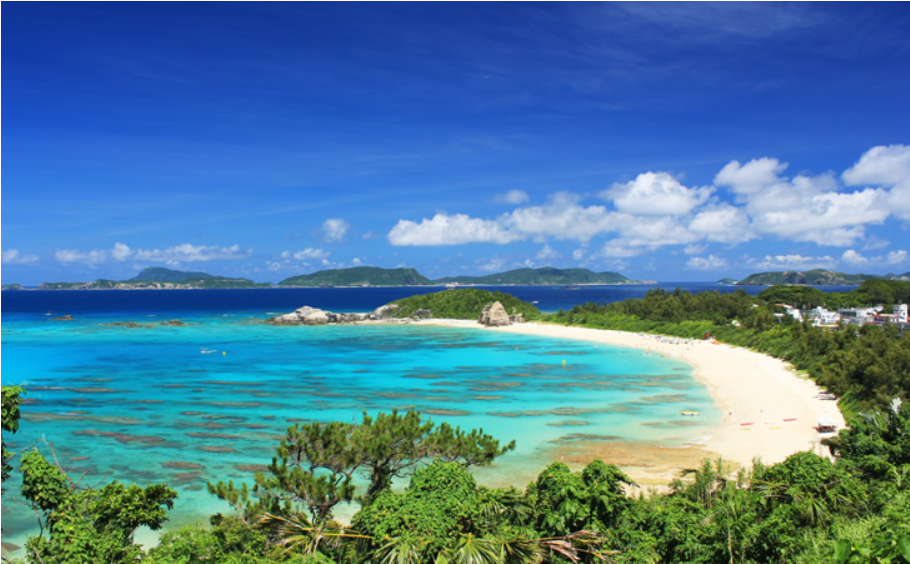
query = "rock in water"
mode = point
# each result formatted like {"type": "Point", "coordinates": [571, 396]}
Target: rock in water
{"type": "Point", "coordinates": [494, 315]}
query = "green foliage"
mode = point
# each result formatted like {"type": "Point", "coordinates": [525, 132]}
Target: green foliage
{"type": "Point", "coordinates": [567, 501]}
{"type": "Point", "coordinates": [464, 303]}
{"type": "Point", "coordinates": [88, 524]}
{"type": "Point", "coordinates": [359, 276]}
{"type": "Point", "coordinates": [315, 463]}
{"type": "Point", "coordinates": [11, 401]}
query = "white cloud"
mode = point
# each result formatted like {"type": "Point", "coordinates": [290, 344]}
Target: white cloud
{"type": "Point", "coordinates": [121, 252]}
{"type": "Point", "coordinates": [334, 230]}
{"type": "Point", "coordinates": [12, 256]}
{"type": "Point", "coordinates": [579, 254]}
{"type": "Point", "coordinates": [723, 223]}
{"type": "Point", "coordinates": [792, 262]}
{"type": "Point", "coordinates": [695, 249]}
{"type": "Point", "coordinates": [70, 256]}
{"type": "Point", "coordinates": [547, 253]}
{"type": "Point", "coordinates": [356, 262]}
{"type": "Point", "coordinates": [852, 257]}
{"type": "Point", "coordinates": [618, 248]}
{"type": "Point", "coordinates": [494, 264]}
{"type": "Point", "coordinates": [656, 193]}
{"type": "Point", "coordinates": [710, 262]}
{"type": "Point", "coordinates": [192, 253]}
{"type": "Point", "coordinates": [897, 257]}
{"type": "Point", "coordinates": [446, 229]}
{"type": "Point", "coordinates": [307, 254]}
{"type": "Point", "coordinates": [562, 217]}
{"type": "Point", "coordinates": [751, 177]}
{"type": "Point", "coordinates": [512, 197]}
{"type": "Point", "coordinates": [886, 166]}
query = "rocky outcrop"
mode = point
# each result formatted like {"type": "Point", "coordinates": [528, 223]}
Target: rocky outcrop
{"type": "Point", "coordinates": [494, 315]}
{"type": "Point", "coordinates": [313, 316]}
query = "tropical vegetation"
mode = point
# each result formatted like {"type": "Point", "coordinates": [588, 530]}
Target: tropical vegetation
{"type": "Point", "coordinates": [463, 303]}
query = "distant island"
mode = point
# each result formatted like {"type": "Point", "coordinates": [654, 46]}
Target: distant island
{"type": "Point", "coordinates": [816, 277]}
{"type": "Point", "coordinates": [360, 276]}
{"type": "Point", "coordinates": [545, 275]}
{"type": "Point", "coordinates": [156, 278]}
{"type": "Point", "coordinates": [372, 276]}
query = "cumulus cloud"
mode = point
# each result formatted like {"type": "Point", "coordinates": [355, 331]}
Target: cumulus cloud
{"type": "Point", "coordinates": [850, 256]}
{"type": "Point", "coordinates": [579, 254]}
{"type": "Point", "coordinates": [12, 256]}
{"type": "Point", "coordinates": [803, 208]}
{"type": "Point", "coordinates": [71, 256]}
{"type": "Point", "coordinates": [512, 197]}
{"type": "Point", "coordinates": [883, 166]}
{"type": "Point", "coordinates": [897, 257]}
{"type": "Point", "coordinates": [723, 223]}
{"type": "Point", "coordinates": [333, 230]}
{"type": "Point", "coordinates": [121, 252]}
{"type": "Point", "coordinates": [445, 229]}
{"type": "Point", "coordinates": [695, 249]}
{"type": "Point", "coordinates": [192, 253]}
{"type": "Point", "coordinates": [792, 262]}
{"type": "Point", "coordinates": [561, 217]}
{"type": "Point", "coordinates": [547, 253]}
{"type": "Point", "coordinates": [751, 177]}
{"type": "Point", "coordinates": [710, 262]}
{"type": "Point", "coordinates": [308, 253]}
{"type": "Point", "coordinates": [656, 193]}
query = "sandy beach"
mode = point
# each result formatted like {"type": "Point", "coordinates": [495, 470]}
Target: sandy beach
{"type": "Point", "coordinates": [770, 411]}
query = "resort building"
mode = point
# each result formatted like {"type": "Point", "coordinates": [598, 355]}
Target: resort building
{"type": "Point", "coordinates": [821, 317]}
{"type": "Point", "coordinates": [859, 316]}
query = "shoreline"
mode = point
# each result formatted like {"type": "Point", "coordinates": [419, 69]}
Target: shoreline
{"type": "Point", "coordinates": [770, 411]}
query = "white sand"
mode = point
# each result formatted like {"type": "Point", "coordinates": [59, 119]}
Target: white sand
{"type": "Point", "coordinates": [749, 387]}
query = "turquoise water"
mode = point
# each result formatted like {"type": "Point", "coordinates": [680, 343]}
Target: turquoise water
{"type": "Point", "coordinates": [144, 404]}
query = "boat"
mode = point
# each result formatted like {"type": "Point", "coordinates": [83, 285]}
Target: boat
{"type": "Point", "coordinates": [690, 413]}
{"type": "Point", "coordinates": [208, 351]}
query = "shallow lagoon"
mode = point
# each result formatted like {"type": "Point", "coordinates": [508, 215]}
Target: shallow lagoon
{"type": "Point", "coordinates": [144, 404]}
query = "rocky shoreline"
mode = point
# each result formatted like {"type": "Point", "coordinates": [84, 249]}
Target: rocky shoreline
{"type": "Point", "coordinates": [493, 315]}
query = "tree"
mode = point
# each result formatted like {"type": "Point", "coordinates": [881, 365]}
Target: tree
{"type": "Point", "coordinates": [315, 463]}
{"type": "Point", "coordinates": [11, 401]}
{"type": "Point", "coordinates": [88, 524]}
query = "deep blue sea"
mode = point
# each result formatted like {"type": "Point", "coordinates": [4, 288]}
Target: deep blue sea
{"type": "Point", "coordinates": [144, 403]}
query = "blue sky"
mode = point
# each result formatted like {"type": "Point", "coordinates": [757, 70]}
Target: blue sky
{"type": "Point", "coordinates": [663, 141]}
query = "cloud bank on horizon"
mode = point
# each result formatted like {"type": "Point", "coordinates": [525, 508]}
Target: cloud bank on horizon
{"type": "Point", "coordinates": [753, 200]}
{"type": "Point", "coordinates": [666, 141]}
{"type": "Point", "coordinates": [747, 201]}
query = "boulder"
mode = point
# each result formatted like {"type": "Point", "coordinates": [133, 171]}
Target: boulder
{"type": "Point", "coordinates": [382, 312]}
{"type": "Point", "coordinates": [317, 317]}
{"type": "Point", "coordinates": [494, 315]}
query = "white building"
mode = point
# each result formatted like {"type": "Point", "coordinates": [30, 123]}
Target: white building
{"type": "Point", "coordinates": [859, 315]}
{"type": "Point", "coordinates": [822, 317]}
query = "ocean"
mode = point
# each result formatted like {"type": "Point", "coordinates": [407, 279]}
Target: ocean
{"type": "Point", "coordinates": [122, 393]}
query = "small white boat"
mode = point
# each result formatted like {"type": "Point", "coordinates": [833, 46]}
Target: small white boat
{"type": "Point", "coordinates": [208, 351]}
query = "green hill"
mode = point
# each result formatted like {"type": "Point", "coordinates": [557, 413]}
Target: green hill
{"type": "Point", "coordinates": [158, 274]}
{"type": "Point", "coordinates": [545, 275]}
{"type": "Point", "coordinates": [464, 303]}
{"type": "Point", "coordinates": [158, 279]}
{"type": "Point", "coordinates": [12, 287]}
{"type": "Point", "coordinates": [816, 277]}
{"type": "Point", "coordinates": [360, 276]}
